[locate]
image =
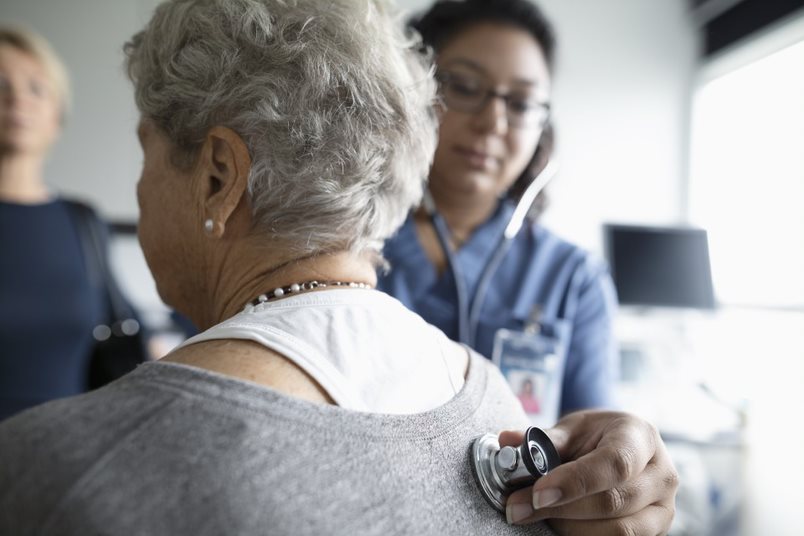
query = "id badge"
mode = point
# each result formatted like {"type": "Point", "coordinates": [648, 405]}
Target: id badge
{"type": "Point", "coordinates": [532, 364]}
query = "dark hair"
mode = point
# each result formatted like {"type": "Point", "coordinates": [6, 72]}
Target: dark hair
{"type": "Point", "coordinates": [447, 18]}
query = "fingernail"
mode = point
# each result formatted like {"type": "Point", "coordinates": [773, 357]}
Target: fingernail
{"type": "Point", "coordinates": [546, 497]}
{"type": "Point", "coordinates": [515, 513]}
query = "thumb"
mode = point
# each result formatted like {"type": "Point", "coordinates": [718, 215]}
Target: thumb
{"type": "Point", "coordinates": [511, 438]}
{"type": "Point", "coordinates": [560, 437]}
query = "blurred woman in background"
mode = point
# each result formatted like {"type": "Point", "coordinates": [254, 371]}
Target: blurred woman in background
{"type": "Point", "coordinates": [50, 298]}
{"type": "Point", "coordinates": [537, 305]}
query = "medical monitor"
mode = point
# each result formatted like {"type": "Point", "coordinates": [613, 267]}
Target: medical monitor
{"type": "Point", "coordinates": [660, 266]}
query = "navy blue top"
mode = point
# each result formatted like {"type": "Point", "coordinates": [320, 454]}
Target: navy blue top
{"type": "Point", "coordinates": [48, 307]}
{"type": "Point", "coordinates": [574, 291]}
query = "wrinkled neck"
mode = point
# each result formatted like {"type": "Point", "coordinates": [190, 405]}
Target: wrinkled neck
{"type": "Point", "coordinates": [242, 278]}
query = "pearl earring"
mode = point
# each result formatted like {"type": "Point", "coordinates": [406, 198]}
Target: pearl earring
{"type": "Point", "coordinates": [209, 225]}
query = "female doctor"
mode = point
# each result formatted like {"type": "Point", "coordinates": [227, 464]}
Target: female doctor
{"type": "Point", "coordinates": [472, 259]}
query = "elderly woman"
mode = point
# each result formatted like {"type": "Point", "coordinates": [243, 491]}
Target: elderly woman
{"type": "Point", "coordinates": [283, 142]}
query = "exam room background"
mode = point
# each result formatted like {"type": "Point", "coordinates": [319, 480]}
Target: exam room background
{"type": "Point", "coordinates": [628, 75]}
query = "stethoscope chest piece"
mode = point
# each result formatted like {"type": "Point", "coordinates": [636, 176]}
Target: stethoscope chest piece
{"type": "Point", "coordinates": [500, 471]}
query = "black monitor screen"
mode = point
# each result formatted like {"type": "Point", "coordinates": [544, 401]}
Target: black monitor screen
{"type": "Point", "coordinates": [660, 266]}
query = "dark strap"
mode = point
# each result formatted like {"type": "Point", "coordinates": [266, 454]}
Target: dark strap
{"type": "Point", "coordinates": [93, 236]}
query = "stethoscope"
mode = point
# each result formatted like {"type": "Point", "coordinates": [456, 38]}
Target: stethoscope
{"type": "Point", "coordinates": [498, 471]}
{"type": "Point", "coordinates": [469, 308]}
{"type": "Point", "coordinates": [501, 471]}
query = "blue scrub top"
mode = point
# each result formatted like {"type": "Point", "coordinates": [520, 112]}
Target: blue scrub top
{"type": "Point", "coordinates": [573, 290]}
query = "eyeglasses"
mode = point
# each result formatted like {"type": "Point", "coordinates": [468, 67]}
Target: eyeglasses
{"type": "Point", "coordinates": [471, 94]}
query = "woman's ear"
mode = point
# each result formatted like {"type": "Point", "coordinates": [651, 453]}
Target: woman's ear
{"type": "Point", "coordinates": [223, 169]}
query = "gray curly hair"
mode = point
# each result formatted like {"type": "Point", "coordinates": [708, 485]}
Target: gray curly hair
{"type": "Point", "coordinates": [331, 99]}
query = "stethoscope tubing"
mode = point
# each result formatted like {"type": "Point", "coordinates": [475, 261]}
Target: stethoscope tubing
{"type": "Point", "coordinates": [469, 308]}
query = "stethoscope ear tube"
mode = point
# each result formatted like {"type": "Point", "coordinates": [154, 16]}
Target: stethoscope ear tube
{"type": "Point", "coordinates": [469, 309]}
{"type": "Point", "coordinates": [528, 197]}
{"type": "Point", "coordinates": [501, 471]}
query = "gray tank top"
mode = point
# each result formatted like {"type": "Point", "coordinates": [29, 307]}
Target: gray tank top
{"type": "Point", "coordinates": [175, 450]}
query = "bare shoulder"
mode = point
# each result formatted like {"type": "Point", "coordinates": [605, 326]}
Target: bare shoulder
{"type": "Point", "coordinates": [253, 362]}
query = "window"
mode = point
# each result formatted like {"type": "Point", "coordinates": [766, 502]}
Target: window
{"type": "Point", "coordinates": [747, 179]}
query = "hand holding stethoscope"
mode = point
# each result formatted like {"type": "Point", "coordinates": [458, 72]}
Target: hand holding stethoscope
{"type": "Point", "coordinates": [469, 308]}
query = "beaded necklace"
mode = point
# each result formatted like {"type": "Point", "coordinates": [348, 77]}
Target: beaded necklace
{"type": "Point", "coordinates": [297, 288]}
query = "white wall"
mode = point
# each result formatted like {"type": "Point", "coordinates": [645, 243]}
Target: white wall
{"type": "Point", "coordinates": [622, 98]}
